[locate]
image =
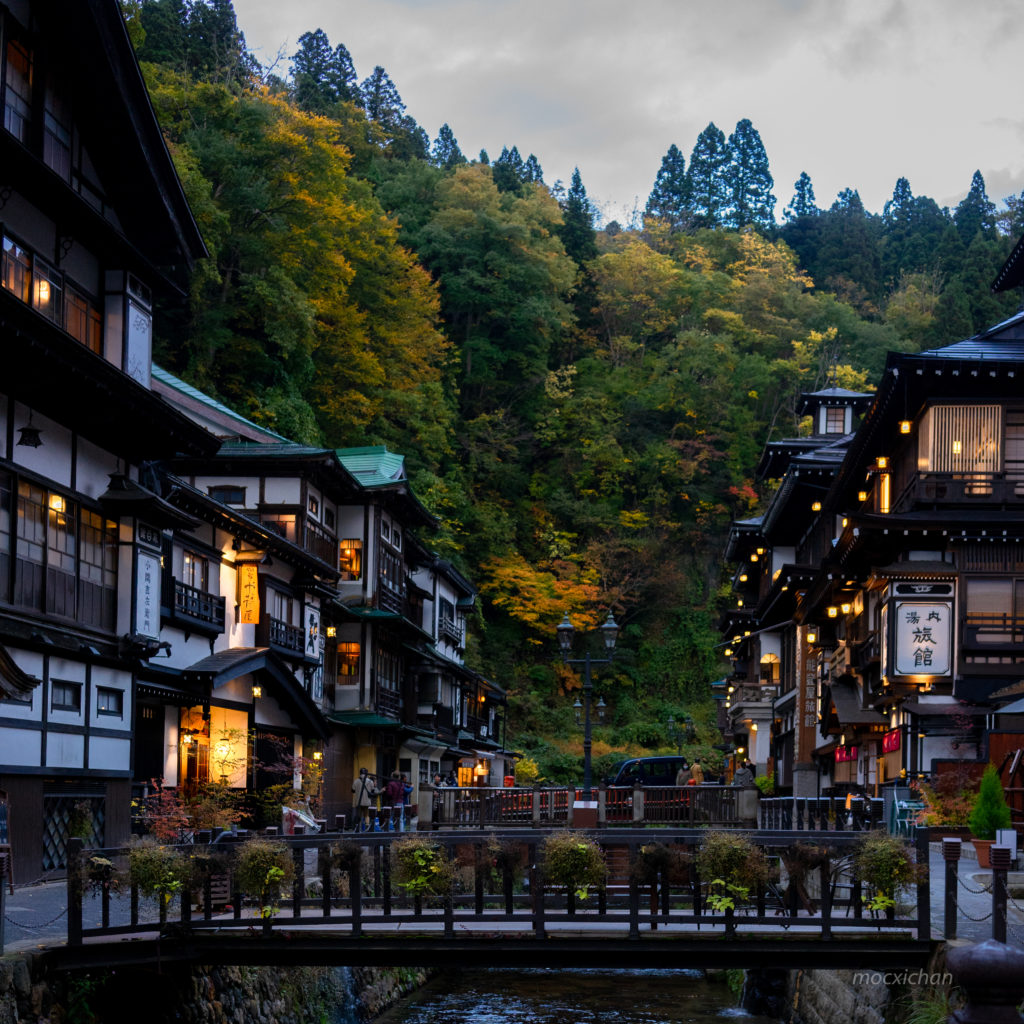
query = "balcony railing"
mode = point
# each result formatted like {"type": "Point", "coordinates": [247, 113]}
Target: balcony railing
{"type": "Point", "coordinates": [285, 637]}
{"type": "Point", "coordinates": [320, 544]}
{"type": "Point", "coordinates": [389, 702]}
{"type": "Point", "coordinates": [450, 630]}
{"type": "Point", "coordinates": [193, 609]}
{"type": "Point", "coordinates": [934, 489]}
{"type": "Point", "coordinates": [389, 597]}
{"type": "Point", "coordinates": [994, 634]}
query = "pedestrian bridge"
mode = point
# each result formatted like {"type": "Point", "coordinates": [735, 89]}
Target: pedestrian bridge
{"type": "Point", "coordinates": [342, 905]}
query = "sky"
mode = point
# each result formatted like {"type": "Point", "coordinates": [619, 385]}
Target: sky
{"type": "Point", "coordinates": [857, 93]}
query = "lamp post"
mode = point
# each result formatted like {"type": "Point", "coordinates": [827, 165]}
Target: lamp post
{"type": "Point", "coordinates": [566, 632]}
{"type": "Point", "coordinates": [676, 734]}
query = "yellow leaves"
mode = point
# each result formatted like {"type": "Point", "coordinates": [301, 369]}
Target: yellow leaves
{"type": "Point", "coordinates": [760, 256]}
{"type": "Point", "coordinates": [634, 520]}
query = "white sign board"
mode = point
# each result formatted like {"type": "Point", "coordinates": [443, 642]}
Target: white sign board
{"type": "Point", "coordinates": [923, 638]}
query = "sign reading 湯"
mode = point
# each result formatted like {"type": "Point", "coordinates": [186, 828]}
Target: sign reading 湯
{"type": "Point", "coordinates": [248, 594]}
{"type": "Point", "coordinates": [922, 638]}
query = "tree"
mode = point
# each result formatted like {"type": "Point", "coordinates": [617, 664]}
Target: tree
{"type": "Point", "coordinates": [802, 203]}
{"type": "Point", "coordinates": [749, 180]}
{"type": "Point", "coordinates": [577, 230]}
{"type": "Point", "coordinates": [708, 177]}
{"type": "Point", "coordinates": [975, 213]}
{"type": "Point", "coordinates": [381, 100]}
{"type": "Point", "coordinates": [532, 170]}
{"type": "Point", "coordinates": [670, 198]}
{"type": "Point", "coordinates": [446, 153]}
{"type": "Point", "coordinates": [323, 76]}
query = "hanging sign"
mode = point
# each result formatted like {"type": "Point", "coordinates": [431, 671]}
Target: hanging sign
{"type": "Point", "coordinates": [846, 754]}
{"type": "Point", "coordinates": [891, 742]}
{"type": "Point", "coordinates": [248, 594]}
{"type": "Point", "coordinates": [922, 638]}
{"type": "Point", "coordinates": [147, 594]}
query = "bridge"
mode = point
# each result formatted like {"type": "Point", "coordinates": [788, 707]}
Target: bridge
{"type": "Point", "coordinates": [343, 906]}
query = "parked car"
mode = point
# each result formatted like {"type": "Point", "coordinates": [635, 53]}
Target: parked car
{"type": "Point", "coordinates": [646, 771]}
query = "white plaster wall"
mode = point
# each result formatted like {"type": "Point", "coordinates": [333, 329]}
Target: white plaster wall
{"type": "Point", "coordinates": [52, 459]}
{"type": "Point", "coordinates": [109, 754]}
{"type": "Point", "coordinates": [94, 468]}
{"type": "Point", "coordinates": [29, 224]}
{"type": "Point", "coordinates": [65, 750]}
{"type": "Point", "coordinates": [20, 747]}
{"type": "Point", "coordinates": [112, 682]}
{"type": "Point", "coordinates": [250, 483]}
{"type": "Point", "coordinates": [171, 739]}
{"type": "Point", "coordinates": [282, 490]}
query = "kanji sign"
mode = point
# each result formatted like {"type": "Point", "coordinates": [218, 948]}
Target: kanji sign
{"type": "Point", "coordinates": [923, 638]}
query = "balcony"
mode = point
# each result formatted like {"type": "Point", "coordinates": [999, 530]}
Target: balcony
{"type": "Point", "coordinates": [450, 631]}
{"type": "Point", "coordinates": [936, 490]}
{"type": "Point", "coordinates": [285, 638]}
{"type": "Point", "coordinates": [999, 637]}
{"type": "Point", "coordinates": [320, 544]}
{"type": "Point", "coordinates": [193, 610]}
{"type": "Point", "coordinates": [389, 703]}
{"type": "Point", "coordinates": [389, 597]}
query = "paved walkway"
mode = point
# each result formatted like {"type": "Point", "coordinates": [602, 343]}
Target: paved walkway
{"type": "Point", "coordinates": [35, 916]}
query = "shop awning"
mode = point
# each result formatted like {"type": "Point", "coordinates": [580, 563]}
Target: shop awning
{"type": "Point", "coordinates": [1016, 708]}
{"type": "Point", "coordinates": [173, 695]}
{"type": "Point", "coordinates": [363, 719]}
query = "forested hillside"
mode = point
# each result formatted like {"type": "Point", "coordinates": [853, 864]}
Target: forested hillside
{"type": "Point", "coordinates": [583, 408]}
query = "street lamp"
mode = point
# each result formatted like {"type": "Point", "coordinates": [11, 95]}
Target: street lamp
{"type": "Point", "coordinates": [566, 632]}
{"type": "Point", "coordinates": [676, 734]}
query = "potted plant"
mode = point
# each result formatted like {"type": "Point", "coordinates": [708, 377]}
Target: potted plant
{"type": "Point", "coordinates": [884, 863]}
{"type": "Point", "coordinates": [262, 868]}
{"type": "Point", "coordinates": [733, 867]}
{"type": "Point", "coordinates": [574, 861]}
{"type": "Point", "coordinates": [158, 872]}
{"type": "Point", "coordinates": [989, 814]}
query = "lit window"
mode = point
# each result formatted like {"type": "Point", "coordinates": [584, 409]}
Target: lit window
{"type": "Point", "coordinates": [18, 90]}
{"type": "Point", "coordinates": [350, 558]}
{"type": "Point", "coordinates": [348, 662]}
{"type": "Point", "coordinates": [109, 702]}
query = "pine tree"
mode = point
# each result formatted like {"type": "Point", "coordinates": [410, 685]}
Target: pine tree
{"type": "Point", "coordinates": [670, 198]}
{"type": "Point", "coordinates": [509, 170]}
{"type": "Point", "coordinates": [532, 170]}
{"type": "Point", "coordinates": [322, 76]}
{"type": "Point", "coordinates": [802, 203]}
{"type": "Point", "coordinates": [446, 152]}
{"type": "Point", "coordinates": [899, 207]}
{"type": "Point", "coordinates": [707, 178]}
{"type": "Point", "coordinates": [577, 231]}
{"type": "Point", "coordinates": [749, 180]}
{"type": "Point", "coordinates": [975, 212]}
{"type": "Point", "coordinates": [381, 99]}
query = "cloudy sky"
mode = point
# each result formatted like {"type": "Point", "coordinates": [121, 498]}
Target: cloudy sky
{"type": "Point", "coordinates": [855, 92]}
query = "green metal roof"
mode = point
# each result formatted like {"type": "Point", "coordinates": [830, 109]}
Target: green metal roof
{"type": "Point", "coordinates": [374, 465]}
{"type": "Point", "coordinates": [179, 385]}
{"type": "Point", "coordinates": [363, 718]}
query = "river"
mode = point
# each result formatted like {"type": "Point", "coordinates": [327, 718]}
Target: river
{"type": "Point", "coordinates": [551, 996]}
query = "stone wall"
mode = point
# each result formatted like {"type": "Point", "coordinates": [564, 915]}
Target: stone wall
{"type": "Point", "coordinates": [31, 994]}
{"type": "Point", "coordinates": [831, 997]}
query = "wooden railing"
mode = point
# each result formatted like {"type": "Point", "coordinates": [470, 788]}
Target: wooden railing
{"type": "Point", "coordinates": [615, 806]}
{"type": "Point", "coordinates": [822, 814]}
{"type": "Point", "coordinates": [193, 609]}
{"type": "Point", "coordinates": [346, 883]}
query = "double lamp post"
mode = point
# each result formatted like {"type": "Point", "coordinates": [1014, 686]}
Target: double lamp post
{"type": "Point", "coordinates": [566, 633]}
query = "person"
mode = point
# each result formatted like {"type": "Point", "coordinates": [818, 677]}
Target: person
{"type": "Point", "coordinates": [438, 781]}
{"type": "Point", "coordinates": [394, 796]}
{"type": "Point", "coordinates": [365, 790]}
{"type": "Point", "coordinates": [452, 779]}
{"type": "Point", "coordinates": [753, 769]}
{"type": "Point", "coordinates": [696, 772]}
{"type": "Point", "coordinates": [683, 776]}
{"type": "Point", "coordinates": [743, 776]}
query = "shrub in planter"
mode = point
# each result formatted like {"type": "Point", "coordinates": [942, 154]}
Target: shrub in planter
{"type": "Point", "coordinates": [990, 811]}
{"type": "Point", "coordinates": [262, 868]}
{"type": "Point", "coordinates": [574, 861]}
{"type": "Point", "coordinates": [421, 867]}
{"type": "Point", "coordinates": [885, 864]}
{"type": "Point", "coordinates": [732, 866]}
{"type": "Point", "coordinates": [159, 872]}
{"type": "Point", "coordinates": [656, 860]}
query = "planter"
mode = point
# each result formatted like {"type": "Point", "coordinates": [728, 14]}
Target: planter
{"type": "Point", "coordinates": [983, 848]}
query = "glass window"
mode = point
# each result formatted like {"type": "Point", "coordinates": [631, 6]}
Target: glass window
{"type": "Point", "coordinates": [228, 494]}
{"type": "Point", "coordinates": [61, 556]}
{"type": "Point", "coordinates": [47, 291]}
{"type": "Point", "coordinates": [109, 701]}
{"type": "Point", "coordinates": [350, 559]}
{"type": "Point", "coordinates": [835, 420]}
{"type": "Point", "coordinates": [18, 90]}
{"type": "Point", "coordinates": [97, 572]}
{"type": "Point", "coordinates": [348, 663]}
{"type": "Point", "coordinates": [16, 269]}
{"type": "Point", "coordinates": [57, 133]}
{"type": "Point", "coordinates": [195, 571]}
{"type": "Point", "coordinates": [82, 320]}
{"type": "Point", "coordinates": [65, 696]}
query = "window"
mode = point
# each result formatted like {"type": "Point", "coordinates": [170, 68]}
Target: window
{"type": "Point", "coordinates": [313, 504]}
{"type": "Point", "coordinates": [47, 291]}
{"type": "Point", "coordinates": [57, 133]}
{"type": "Point", "coordinates": [109, 702]}
{"type": "Point", "coordinates": [65, 696]}
{"type": "Point", "coordinates": [835, 420]}
{"type": "Point", "coordinates": [282, 606]}
{"type": "Point", "coordinates": [350, 558]}
{"type": "Point", "coordinates": [329, 518]}
{"type": "Point", "coordinates": [389, 669]}
{"type": "Point", "coordinates": [227, 494]}
{"type": "Point", "coordinates": [16, 269]}
{"type": "Point", "coordinates": [65, 557]}
{"type": "Point", "coordinates": [195, 571]}
{"type": "Point", "coordinates": [385, 529]}
{"type": "Point", "coordinates": [18, 90]}
{"type": "Point", "coordinates": [82, 320]}
{"type": "Point", "coordinates": [348, 663]}
{"type": "Point", "coordinates": [961, 439]}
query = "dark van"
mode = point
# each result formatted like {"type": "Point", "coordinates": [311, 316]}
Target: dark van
{"type": "Point", "coordinates": [646, 771]}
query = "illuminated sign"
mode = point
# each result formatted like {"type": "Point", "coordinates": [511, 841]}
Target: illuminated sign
{"type": "Point", "coordinates": [248, 594]}
{"type": "Point", "coordinates": [891, 741]}
{"type": "Point", "coordinates": [922, 637]}
{"type": "Point", "coordinates": [846, 754]}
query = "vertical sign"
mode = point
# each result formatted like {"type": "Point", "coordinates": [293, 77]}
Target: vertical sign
{"type": "Point", "coordinates": [922, 638]}
{"type": "Point", "coordinates": [248, 594]}
{"type": "Point", "coordinates": [807, 697]}
{"type": "Point", "coordinates": [147, 594]}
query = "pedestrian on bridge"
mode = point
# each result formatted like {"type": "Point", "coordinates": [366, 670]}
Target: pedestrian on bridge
{"type": "Point", "coordinates": [365, 790]}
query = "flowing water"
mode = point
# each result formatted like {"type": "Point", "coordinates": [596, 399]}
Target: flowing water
{"type": "Point", "coordinates": [571, 997]}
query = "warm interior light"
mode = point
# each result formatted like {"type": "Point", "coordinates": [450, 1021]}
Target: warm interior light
{"type": "Point", "coordinates": [812, 635]}
{"type": "Point", "coordinates": [816, 506]}
{"type": "Point", "coordinates": [186, 738]}
{"type": "Point", "coordinates": [957, 447]}
{"type": "Point", "coordinates": [743, 577]}
{"type": "Point", "coordinates": [257, 691]}
{"type": "Point", "coordinates": [845, 521]}
{"type": "Point", "coordinates": [753, 726]}
{"type": "Point", "coordinates": [905, 426]}
{"type": "Point", "coordinates": [56, 503]}
{"type": "Point", "coordinates": [862, 495]}
{"type": "Point", "coordinates": [760, 551]}
{"type": "Point", "coordinates": [318, 755]}
{"type": "Point", "coordinates": [731, 688]}
{"type": "Point", "coordinates": [728, 652]}
{"type": "Point", "coordinates": [833, 611]}
{"type": "Point", "coordinates": [846, 607]}
{"type": "Point", "coordinates": [753, 558]}
{"type": "Point", "coordinates": [44, 291]}
{"type": "Point", "coordinates": [739, 603]}
{"type": "Point", "coordinates": [740, 750]}
{"type": "Point", "coordinates": [332, 632]}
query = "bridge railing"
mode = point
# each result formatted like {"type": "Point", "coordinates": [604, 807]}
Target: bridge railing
{"type": "Point", "coordinates": [346, 882]}
{"type": "Point", "coordinates": [537, 807]}
{"type": "Point", "coordinates": [822, 814]}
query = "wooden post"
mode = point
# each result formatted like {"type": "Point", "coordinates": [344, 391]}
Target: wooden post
{"type": "Point", "coordinates": [638, 805]}
{"type": "Point", "coordinates": [324, 858]}
{"type": "Point", "coordinates": [826, 899]}
{"type": "Point", "coordinates": [991, 976]}
{"type": "Point", "coordinates": [298, 880]}
{"type": "Point", "coordinates": [924, 893]}
{"type": "Point", "coordinates": [74, 869]}
{"type": "Point", "coordinates": [537, 894]}
{"type": "Point", "coordinates": [385, 871]}
{"type": "Point", "coordinates": [634, 895]}
{"type": "Point", "coordinates": [1000, 860]}
{"type": "Point", "coordinates": [536, 805]}
{"type": "Point", "coordinates": [602, 805]}
{"type": "Point", "coordinates": [478, 879]}
{"type": "Point", "coordinates": [951, 856]}
{"type": "Point", "coordinates": [355, 887]}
